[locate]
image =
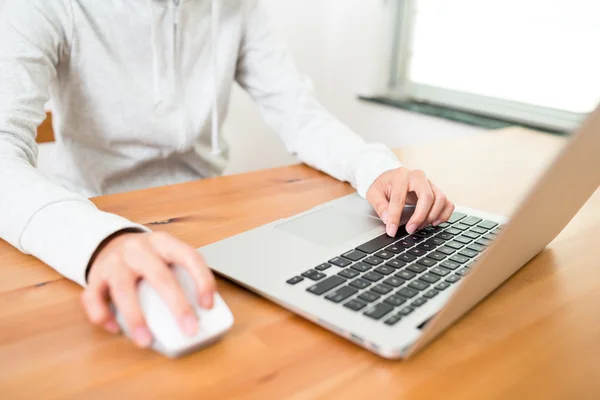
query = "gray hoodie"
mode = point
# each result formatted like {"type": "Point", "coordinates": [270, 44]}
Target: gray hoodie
{"type": "Point", "coordinates": [133, 88]}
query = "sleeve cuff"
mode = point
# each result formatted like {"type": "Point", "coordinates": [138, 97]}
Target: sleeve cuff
{"type": "Point", "coordinates": [65, 235]}
{"type": "Point", "coordinates": [370, 164]}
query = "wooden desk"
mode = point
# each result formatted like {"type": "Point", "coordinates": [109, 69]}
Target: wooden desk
{"type": "Point", "coordinates": [538, 336]}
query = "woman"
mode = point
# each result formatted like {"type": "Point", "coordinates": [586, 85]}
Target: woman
{"type": "Point", "coordinates": [139, 88]}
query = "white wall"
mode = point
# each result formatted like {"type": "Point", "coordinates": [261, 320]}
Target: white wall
{"type": "Point", "coordinates": [340, 44]}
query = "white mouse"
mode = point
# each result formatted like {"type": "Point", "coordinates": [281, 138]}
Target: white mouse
{"type": "Point", "coordinates": [168, 337]}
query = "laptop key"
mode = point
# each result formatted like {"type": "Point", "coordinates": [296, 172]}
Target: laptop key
{"type": "Point", "coordinates": [443, 225]}
{"type": "Point", "coordinates": [442, 286]}
{"type": "Point", "coordinates": [450, 264]}
{"type": "Point", "coordinates": [354, 255]}
{"type": "Point", "coordinates": [407, 292]}
{"type": "Point", "coordinates": [341, 294]}
{"type": "Point", "coordinates": [355, 305]}
{"type": "Point", "coordinates": [326, 285]}
{"type": "Point", "coordinates": [471, 235]}
{"type": "Point", "coordinates": [497, 230]}
{"type": "Point", "coordinates": [323, 267]}
{"type": "Point", "coordinates": [418, 302]}
{"type": "Point", "coordinates": [481, 231]}
{"type": "Point", "coordinates": [372, 276]}
{"type": "Point", "coordinates": [435, 241]}
{"type": "Point", "coordinates": [384, 269]}
{"type": "Point", "coordinates": [425, 232]}
{"type": "Point", "coordinates": [456, 217]}
{"type": "Point", "coordinates": [378, 311]}
{"type": "Point", "coordinates": [489, 236]}
{"type": "Point", "coordinates": [314, 275]}
{"type": "Point", "coordinates": [394, 281]}
{"type": "Point", "coordinates": [405, 311]}
{"type": "Point", "coordinates": [361, 267]}
{"type": "Point", "coordinates": [360, 283]}
{"type": "Point", "coordinates": [349, 273]}
{"type": "Point", "coordinates": [416, 238]}
{"type": "Point", "coordinates": [395, 264]}
{"type": "Point", "coordinates": [453, 278]}
{"type": "Point", "coordinates": [483, 242]}
{"type": "Point", "coordinates": [459, 259]}
{"type": "Point", "coordinates": [451, 231]}
{"type": "Point", "coordinates": [440, 271]}
{"type": "Point", "coordinates": [294, 280]}
{"type": "Point", "coordinates": [393, 320]}
{"type": "Point", "coordinates": [368, 297]}
{"type": "Point", "coordinates": [382, 289]}
{"type": "Point", "coordinates": [470, 221]}
{"type": "Point", "coordinates": [445, 250]}
{"type": "Point", "coordinates": [429, 278]}
{"type": "Point", "coordinates": [468, 253]}
{"type": "Point", "coordinates": [445, 236]}
{"type": "Point", "coordinates": [431, 293]}
{"type": "Point", "coordinates": [416, 268]}
{"type": "Point", "coordinates": [460, 226]}
{"type": "Point", "coordinates": [418, 285]}
{"type": "Point", "coordinates": [436, 256]}
{"type": "Point", "coordinates": [395, 301]}
{"type": "Point", "coordinates": [340, 262]}
{"type": "Point", "coordinates": [373, 260]}
{"type": "Point", "coordinates": [455, 245]}
{"type": "Point", "coordinates": [428, 262]}
{"type": "Point", "coordinates": [487, 225]}
{"type": "Point", "coordinates": [386, 255]}
{"type": "Point", "coordinates": [426, 246]}
{"type": "Point", "coordinates": [379, 242]}
{"type": "Point", "coordinates": [463, 239]}
{"type": "Point", "coordinates": [406, 275]}
{"type": "Point", "coordinates": [406, 257]}
{"type": "Point", "coordinates": [405, 243]}
{"type": "Point", "coordinates": [415, 251]}
{"type": "Point", "coordinates": [463, 271]}
{"type": "Point", "coordinates": [394, 249]}
{"type": "Point", "coordinates": [476, 247]}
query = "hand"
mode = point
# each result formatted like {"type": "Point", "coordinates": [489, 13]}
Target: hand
{"type": "Point", "coordinates": [129, 257]}
{"type": "Point", "coordinates": [393, 189]}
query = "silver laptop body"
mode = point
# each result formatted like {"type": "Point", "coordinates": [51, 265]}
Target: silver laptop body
{"type": "Point", "coordinates": [266, 258]}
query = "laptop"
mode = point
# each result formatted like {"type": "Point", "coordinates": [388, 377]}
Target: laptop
{"type": "Point", "coordinates": [335, 266]}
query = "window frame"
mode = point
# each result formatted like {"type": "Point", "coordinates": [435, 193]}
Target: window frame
{"type": "Point", "coordinates": [401, 88]}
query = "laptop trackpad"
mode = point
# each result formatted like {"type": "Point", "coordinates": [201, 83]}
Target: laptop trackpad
{"type": "Point", "coordinates": [330, 226]}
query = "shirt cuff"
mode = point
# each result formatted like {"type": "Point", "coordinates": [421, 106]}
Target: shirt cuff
{"type": "Point", "coordinates": [65, 235]}
{"type": "Point", "coordinates": [370, 164]}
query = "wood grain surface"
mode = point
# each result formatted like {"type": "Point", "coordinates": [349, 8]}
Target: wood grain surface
{"type": "Point", "coordinates": [536, 337]}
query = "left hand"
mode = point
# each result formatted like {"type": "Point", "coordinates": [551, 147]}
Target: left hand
{"type": "Point", "coordinates": [395, 188]}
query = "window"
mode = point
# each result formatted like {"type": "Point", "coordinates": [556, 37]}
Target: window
{"type": "Point", "coordinates": [530, 61]}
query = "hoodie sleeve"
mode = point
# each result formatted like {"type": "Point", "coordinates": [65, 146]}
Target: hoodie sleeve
{"type": "Point", "coordinates": [267, 72]}
{"type": "Point", "coordinates": [38, 217]}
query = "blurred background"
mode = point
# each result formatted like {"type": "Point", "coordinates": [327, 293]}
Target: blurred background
{"type": "Point", "coordinates": [430, 70]}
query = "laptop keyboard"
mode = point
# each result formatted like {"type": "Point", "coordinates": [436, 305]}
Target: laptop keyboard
{"type": "Point", "coordinates": [387, 278]}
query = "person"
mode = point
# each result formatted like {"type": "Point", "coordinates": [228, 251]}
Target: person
{"type": "Point", "coordinates": [138, 90]}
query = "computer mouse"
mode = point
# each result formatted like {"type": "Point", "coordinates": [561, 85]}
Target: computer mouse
{"type": "Point", "coordinates": [169, 340]}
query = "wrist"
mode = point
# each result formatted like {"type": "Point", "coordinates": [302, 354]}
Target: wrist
{"type": "Point", "coordinates": [104, 244]}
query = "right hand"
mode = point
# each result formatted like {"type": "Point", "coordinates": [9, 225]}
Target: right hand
{"type": "Point", "coordinates": [127, 258]}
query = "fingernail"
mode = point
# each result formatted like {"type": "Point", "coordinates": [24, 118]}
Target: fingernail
{"type": "Point", "coordinates": [411, 228]}
{"type": "Point", "coordinates": [190, 325]}
{"type": "Point", "coordinates": [142, 337]}
{"type": "Point", "coordinates": [392, 229]}
{"type": "Point", "coordinates": [384, 217]}
{"type": "Point", "coordinates": [207, 301]}
{"type": "Point", "coordinates": [112, 327]}
{"type": "Point", "coordinates": [436, 222]}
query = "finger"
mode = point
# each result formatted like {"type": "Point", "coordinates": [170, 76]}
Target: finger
{"type": "Point", "coordinates": [174, 251]}
{"type": "Point", "coordinates": [378, 199]}
{"type": "Point", "coordinates": [439, 204]}
{"type": "Point", "coordinates": [445, 214]}
{"type": "Point", "coordinates": [123, 292]}
{"type": "Point", "coordinates": [159, 275]}
{"type": "Point", "coordinates": [95, 305]}
{"type": "Point", "coordinates": [396, 205]}
{"type": "Point", "coordinates": [425, 198]}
